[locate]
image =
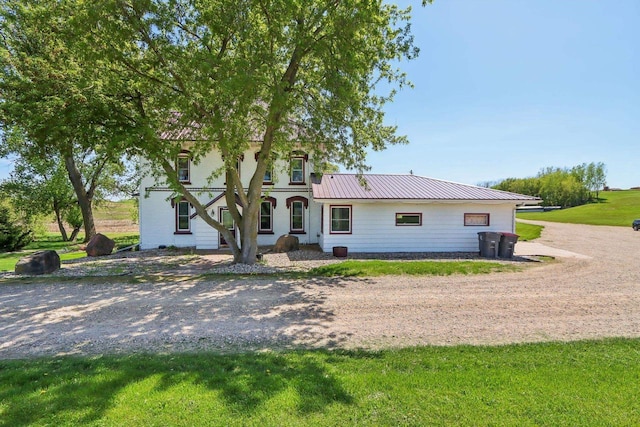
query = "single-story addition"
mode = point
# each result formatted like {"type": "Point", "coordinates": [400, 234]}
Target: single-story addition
{"type": "Point", "coordinates": [410, 213]}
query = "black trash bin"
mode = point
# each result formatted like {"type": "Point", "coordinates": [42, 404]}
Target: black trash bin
{"type": "Point", "coordinates": [489, 242]}
{"type": "Point", "coordinates": [507, 245]}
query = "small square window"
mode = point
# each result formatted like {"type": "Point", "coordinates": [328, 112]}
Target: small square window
{"type": "Point", "coordinates": [476, 219]}
{"type": "Point", "coordinates": [409, 219]}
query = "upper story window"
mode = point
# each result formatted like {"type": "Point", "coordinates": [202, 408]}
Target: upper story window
{"type": "Point", "coordinates": [340, 220]}
{"type": "Point", "coordinates": [296, 168]}
{"type": "Point", "coordinates": [239, 165]}
{"type": "Point", "coordinates": [183, 167]}
{"type": "Point", "coordinates": [183, 220]}
{"type": "Point", "coordinates": [268, 174]}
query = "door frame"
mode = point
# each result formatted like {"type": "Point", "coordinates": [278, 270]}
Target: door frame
{"type": "Point", "coordinates": [222, 242]}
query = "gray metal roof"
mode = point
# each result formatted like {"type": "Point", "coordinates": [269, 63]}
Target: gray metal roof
{"type": "Point", "coordinates": [406, 187]}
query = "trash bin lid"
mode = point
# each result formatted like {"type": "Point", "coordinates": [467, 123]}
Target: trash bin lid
{"type": "Point", "coordinates": [510, 234]}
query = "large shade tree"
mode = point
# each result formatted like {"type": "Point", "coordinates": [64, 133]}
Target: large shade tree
{"type": "Point", "coordinates": [39, 185]}
{"type": "Point", "coordinates": [282, 75]}
{"type": "Point", "coordinates": [55, 102]}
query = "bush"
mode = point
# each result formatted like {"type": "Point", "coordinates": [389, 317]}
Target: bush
{"type": "Point", "coordinates": [13, 236]}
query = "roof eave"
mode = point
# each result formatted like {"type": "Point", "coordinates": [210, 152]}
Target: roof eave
{"type": "Point", "coordinates": [363, 200]}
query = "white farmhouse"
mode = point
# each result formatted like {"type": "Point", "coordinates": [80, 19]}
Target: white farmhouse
{"type": "Point", "coordinates": [382, 213]}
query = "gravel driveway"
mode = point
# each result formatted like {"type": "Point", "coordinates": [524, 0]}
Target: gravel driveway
{"type": "Point", "coordinates": [590, 296]}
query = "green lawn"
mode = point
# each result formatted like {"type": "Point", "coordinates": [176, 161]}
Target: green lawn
{"type": "Point", "coordinates": [615, 208]}
{"type": "Point", "coordinates": [374, 268]}
{"type": "Point", "coordinates": [119, 211]}
{"type": "Point", "coordinates": [528, 232]}
{"type": "Point", "coordinates": [573, 384]}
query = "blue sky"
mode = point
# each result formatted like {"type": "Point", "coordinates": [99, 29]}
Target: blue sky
{"type": "Point", "coordinates": [504, 88]}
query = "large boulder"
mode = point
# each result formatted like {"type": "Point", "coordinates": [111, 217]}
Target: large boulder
{"type": "Point", "coordinates": [43, 262]}
{"type": "Point", "coordinates": [100, 245]}
{"type": "Point", "coordinates": [286, 243]}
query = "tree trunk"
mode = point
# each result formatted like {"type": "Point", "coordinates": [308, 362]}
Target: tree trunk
{"type": "Point", "coordinates": [63, 231]}
{"type": "Point", "coordinates": [84, 201]}
{"type": "Point", "coordinates": [249, 234]}
{"type": "Point", "coordinates": [74, 234]}
{"type": "Point", "coordinates": [202, 211]}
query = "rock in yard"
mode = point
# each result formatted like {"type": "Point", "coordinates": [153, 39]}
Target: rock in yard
{"type": "Point", "coordinates": [287, 243]}
{"type": "Point", "coordinates": [100, 245]}
{"type": "Point", "coordinates": [43, 262]}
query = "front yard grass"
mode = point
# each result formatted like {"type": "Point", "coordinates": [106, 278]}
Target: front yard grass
{"type": "Point", "coordinates": [588, 383]}
{"type": "Point", "coordinates": [375, 268]}
{"type": "Point", "coordinates": [528, 232]}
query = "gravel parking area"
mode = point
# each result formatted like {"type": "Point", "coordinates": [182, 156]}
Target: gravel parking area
{"type": "Point", "coordinates": [595, 295]}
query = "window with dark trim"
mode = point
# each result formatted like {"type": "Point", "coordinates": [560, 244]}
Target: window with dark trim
{"type": "Point", "coordinates": [476, 219]}
{"type": "Point", "coordinates": [238, 165]}
{"type": "Point", "coordinates": [183, 220]}
{"type": "Point", "coordinates": [409, 219]}
{"type": "Point", "coordinates": [183, 167]}
{"type": "Point", "coordinates": [297, 217]}
{"type": "Point", "coordinates": [340, 222]}
{"type": "Point", "coordinates": [297, 206]}
{"type": "Point", "coordinates": [296, 166]}
{"type": "Point", "coordinates": [265, 222]}
{"type": "Point", "coordinates": [268, 174]}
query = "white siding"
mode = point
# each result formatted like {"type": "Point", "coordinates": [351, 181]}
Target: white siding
{"type": "Point", "coordinates": [206, 236]}
{"type": "Point", "coordinates": [158, 223]}
{"type": "Point", "coordinates": [157, 216]}
{"type": "Point", "coordinates": [373, 227]}
{"type": "Point", "coordinates": [282, 219]}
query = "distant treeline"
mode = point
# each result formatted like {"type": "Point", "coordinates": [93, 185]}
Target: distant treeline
{"type": "Point", "coordinates": [564, 187]}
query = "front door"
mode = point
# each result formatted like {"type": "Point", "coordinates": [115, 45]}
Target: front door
{"type": "Point", "coordinates": [227, 222]}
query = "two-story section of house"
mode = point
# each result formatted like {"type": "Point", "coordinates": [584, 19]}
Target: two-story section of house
{"type": "Point", "coordinates": [287, 206]}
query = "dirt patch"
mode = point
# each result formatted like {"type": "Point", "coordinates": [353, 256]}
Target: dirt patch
{"type": "Point", "coordinates": [566, 300]}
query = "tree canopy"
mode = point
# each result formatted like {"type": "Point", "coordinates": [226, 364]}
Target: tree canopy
{"type": "Point", "coordinates": [278, 74]}
{"type": "Point", "coordinates": [56, 103]}
{"type": "Point", "coordinates": [564, 187]}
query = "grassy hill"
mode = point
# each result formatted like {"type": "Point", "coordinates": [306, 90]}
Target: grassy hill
{"type": "Point", "coordinates": [114, 211]}
{"type": "Point", "coordinates": [618, 208]}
